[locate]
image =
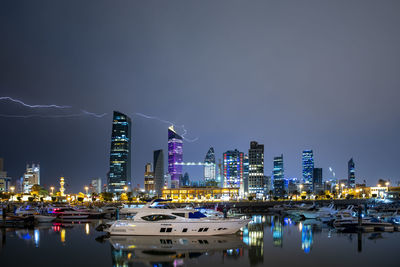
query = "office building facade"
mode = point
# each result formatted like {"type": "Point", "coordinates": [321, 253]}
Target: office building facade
{"type": "Point", "coordinates": [149, 185]}
{"type": "Point", "coordinates": [245, 190]}
{"type": "Point", "coordinates": [119, 176]}
{"type": "Point", "coordinates": [308, 166]}
{"type": "Point", "coordinates": [31, 177]}
{"type": "Point", "coordinates": [96, 186]}
{"type": "Point", "coordinates": [233, 169]}
{"type": "Point", "coordinates": [4, 180]}
{"type": "Point", "coordinates": [256, 169]}
{"type": "Point", "coordinates": [158, 163]}
{"type": "Point", "coordinates": [317, 180]}
{"type": "Point", "coordinates": [278, 177]}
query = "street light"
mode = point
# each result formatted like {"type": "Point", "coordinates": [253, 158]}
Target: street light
{"type": "Point", "coordinates": [52, 189]}
{"type": "Point", "coordinates": [87, 189]}
{"type": "Point", "coordinates": [387, 184]}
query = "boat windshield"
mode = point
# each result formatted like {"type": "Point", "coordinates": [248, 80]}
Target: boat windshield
{"type": "Point", "coordinates": [196, 215]}
{"type": "Point", "coordinates": [158, 217]}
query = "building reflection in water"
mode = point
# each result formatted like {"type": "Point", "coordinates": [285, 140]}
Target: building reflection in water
{"type": "Point", "coordinates": [36, 237]}
{"type": "Point", "coordinates": [29, 235]}
{"type": "Point", "coordinates": [253, 236]}
{"type": "Point", "coordinates": [170, 250]}
{"type": "Point", "coordinates": [306, 238]}
{"type": "Point", "coordinates": [277, 231]}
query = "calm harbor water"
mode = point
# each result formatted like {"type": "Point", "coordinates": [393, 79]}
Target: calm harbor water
{"type": "Point", "coordinates": [268, 240]}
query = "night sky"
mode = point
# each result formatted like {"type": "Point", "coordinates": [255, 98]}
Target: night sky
{"type": "Point", "coordinates": [293, 75]}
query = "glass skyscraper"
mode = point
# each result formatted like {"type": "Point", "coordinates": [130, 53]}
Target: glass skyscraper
{"type": "Point", "coordinates": [233, 168]}
{"type": "Point", "coordinates": [209, 166]}
{"type": "Point", "coordinates": [245, 190]}
{"type": "Point", "coordinates": [256, 169]}
{"type": "Point", "coordinates": [317, 180]}
{"type": "Point", "coordinates": [119, 175]}
{"type": "Point", "coordinates": [175, 155]}
{"type": "Point", "coordinates": [278, 177]}
{"type": "Point", "coordinates": [308, 166]}
{"type": "Point", "coordinates": [351, 181]}
{"type": "Point", "coordinates": [158, 163]}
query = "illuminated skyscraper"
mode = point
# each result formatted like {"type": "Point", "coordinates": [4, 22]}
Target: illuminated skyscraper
{"type": "Point", "coordinates": [351, 181]}
{"type": "Point", "coordinates": [256, 169]}
{"type": "Point", "coordinates": [4, 180]}
{"type": "Point", "coordinates": [120, 154]}
{"type": "Point", "coordinates": [209, 166]}
{"type": "Point", "coordinates": [278, 176]}
{"type": "Point", "coordinates": [175, 155]}
{"type": "Point", "coordinates": [95, 186]}
{"type": "Point", "coordinates": [220, 174]}
{"type": "Point", "coordinates": [158, 163]}
{"type": "Point", "coordinates": [317, 180]}
{"type": "Point", "coordinates": [31, 177]}
{"type": "Point", "coordinates": [149, 185]}
{"type": "Point", "coordinates": [233, 168]}
{"type": "Point", "coordinates": [245, 189]}
{"type": "Point", "coordinates": [308, 167]}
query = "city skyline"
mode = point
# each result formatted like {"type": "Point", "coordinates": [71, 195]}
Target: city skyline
{"type": "Point", "coordinates": [321, 77]}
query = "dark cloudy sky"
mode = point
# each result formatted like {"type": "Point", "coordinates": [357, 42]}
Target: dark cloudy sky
{"type": "Point", "coordinates": [293, 75]}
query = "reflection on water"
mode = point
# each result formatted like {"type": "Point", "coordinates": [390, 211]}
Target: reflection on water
{"type": "Point", "coordinates": [170, 251]}
{"type": "Point", "coordinates": [277, 231]}
{"type": "Point", "coordinates": [306, 238]}
{"type": "Point", "coordinates": [266, 238]}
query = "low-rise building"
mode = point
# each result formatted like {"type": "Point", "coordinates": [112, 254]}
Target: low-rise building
{"type": "Point", "coordinates": [201, 193]}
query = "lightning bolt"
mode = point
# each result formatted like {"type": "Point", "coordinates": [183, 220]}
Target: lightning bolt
{"type": "Point", "coordinates": [170, 123]}
{"type": "Point", "coordinates": [94, 114]}
{"type": "Point", "coordinates": [83, 112]}
{"type": "Point", "coordinates": [31, 106]}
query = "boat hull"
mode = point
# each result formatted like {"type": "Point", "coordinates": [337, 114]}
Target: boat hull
{"type": "Point", "coordinates": [201, 228]}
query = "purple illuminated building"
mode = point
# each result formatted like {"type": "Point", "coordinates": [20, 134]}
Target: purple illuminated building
{"type": "Point", "coordinates": [175, 155]}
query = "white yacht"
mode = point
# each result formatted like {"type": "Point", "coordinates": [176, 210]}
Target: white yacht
{"type": "Point", "coordinates": [150, 220]}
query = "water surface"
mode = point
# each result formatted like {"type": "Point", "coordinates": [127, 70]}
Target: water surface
{"type": "Point", "coordinates": [268, 240]}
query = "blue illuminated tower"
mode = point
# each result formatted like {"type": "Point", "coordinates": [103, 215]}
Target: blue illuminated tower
{"type": "Point", "coordinates": [233, 168]}
{"type": "Point", "coordinates": [308, 167]}
{"type": "Point", "coordinates": [175, 156]}
{"type": "Point", "coordinates": [278, 177]}
{"type": "Point", "coordinates": [119, 175]}
{"type": "Point", "coordinates": [351, 181]}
